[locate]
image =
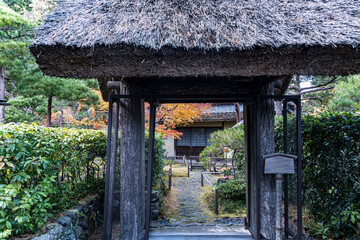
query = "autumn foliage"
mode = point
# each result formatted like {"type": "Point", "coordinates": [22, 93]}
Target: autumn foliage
{"type": "Point", "coordinates": [90, 117]}
{"type": "Point", "coordinates": [170, 116]}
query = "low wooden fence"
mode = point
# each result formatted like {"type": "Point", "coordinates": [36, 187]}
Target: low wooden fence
{"type": "Point", "coordinates": [216, 202]}
{"type": "Point", "coordinates": [170, 178]}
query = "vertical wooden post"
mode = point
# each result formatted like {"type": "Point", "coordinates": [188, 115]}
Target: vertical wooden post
{"type": "Point", "coordinates": [202, 179]}
{"type": "Point", "coordinates": [248, 163]}
{"type": "Point", "coordinates": [150, 167]}
{"type": "Point", "coordinates": [132, 165]}
{"type": "Point", "coordinates": [111, 158]}
{"type": "Point", "coordinates": [2, 93]}
{"type": "Point", "coordinates": [188, 170]}
{"type": "Point", "coordinates": [216, 201]}
{"type": "Point", "coordinates": [259, 140]}
{"type": "Point", "coordinates": [233, 167]}
{"type": "Point", "coordinates": [278, 213]}
{"type": "Point", "coordinates": [170, 176]}
{"type": "Point", "coordinates": [267, 181]}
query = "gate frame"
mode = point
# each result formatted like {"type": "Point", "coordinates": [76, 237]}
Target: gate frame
{"type": "Point", "coordinates": [198, 98]}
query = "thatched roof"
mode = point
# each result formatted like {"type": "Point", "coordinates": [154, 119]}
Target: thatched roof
{"type": "Point", "coordinates": [172, 38]}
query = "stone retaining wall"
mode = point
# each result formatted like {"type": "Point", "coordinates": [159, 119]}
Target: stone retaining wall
{"type": "Point", "coordinates": [77, 223]}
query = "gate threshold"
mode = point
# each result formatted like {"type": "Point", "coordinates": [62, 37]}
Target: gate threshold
{"type": "Point", "coordinates": [200, 236]}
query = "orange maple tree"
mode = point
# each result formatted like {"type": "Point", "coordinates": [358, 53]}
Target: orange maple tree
{"type": "Point", "coordinates": [170, 116]}
{"type": "Point", "coordinates": [93, 117]}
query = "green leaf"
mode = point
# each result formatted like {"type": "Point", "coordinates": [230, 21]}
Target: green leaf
{"type": "Point", "coordinates": [10, 164]}
{"type": "Point", "coordinates": [8, 225]}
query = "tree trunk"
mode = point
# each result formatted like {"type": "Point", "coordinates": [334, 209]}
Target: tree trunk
{"type": "Point", "coordinates": [2, 94]}
{"type": "Point", "coordinates": [297, 85]}
{"type": "Point", "coordinates": [49, 111]}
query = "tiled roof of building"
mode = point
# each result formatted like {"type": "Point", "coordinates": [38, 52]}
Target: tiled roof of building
{"type": "Point", "coordinates": [221, 112]}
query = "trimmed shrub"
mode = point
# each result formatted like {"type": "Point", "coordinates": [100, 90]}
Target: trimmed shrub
{"type": "Point", "coordinates": [45, 170]}
{"type": "Point", "coordinates": [159, 160]}
{"type": "Point", "coordinates": [232, 190]}
{"type": "Point", "coordinates": [331, 171]}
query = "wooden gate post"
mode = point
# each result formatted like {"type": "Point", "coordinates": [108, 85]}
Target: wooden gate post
{"type": "Point", "coordinates": [260, 214]}
{"type": "Point", "coordinates": [132, 165]}
{"type": "Point", "coordinates": [267, 182]}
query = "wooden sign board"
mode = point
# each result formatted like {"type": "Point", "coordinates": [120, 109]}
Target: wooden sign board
{"type": "Point", "coordinates": [279, 163]}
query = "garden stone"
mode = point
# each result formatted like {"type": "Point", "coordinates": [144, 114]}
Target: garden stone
{"type": "Point", "coordinates": [84, 222]}
{"type": "Point", "coordinates": [69, 235]}
{"type": "Point", "coordinates": [155, 208]}
{"type": "Point", "coordinates": [78, 232]}
{"type": "Point", "coordinates": [72, 225]}
{"type": "Point", "coordinates": [74, 214]}
{"type": "Point", "coordinates": [65, 221]}
{"type": "Point", "coordinates": [54, 233]}
{"type": "Point", "coordinates": [78, 208]}
{"type": "Point", "coordinates": [86, 209]}
{"type": "Point", "coordinates": [155, 196]}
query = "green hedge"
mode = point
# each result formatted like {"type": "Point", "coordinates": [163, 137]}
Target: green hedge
{"type": "Point", "coordinates": [159, 160]}
{"type": "Point", "coordinates": [232, 189]}
{"type": "Point", "coordinates": [45, 170]}
{"type": "Point", "coordinates": [331, 172]}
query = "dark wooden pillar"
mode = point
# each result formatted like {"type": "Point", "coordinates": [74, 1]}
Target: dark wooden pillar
{"type": "Point", "coordinates": [267, 183]}
{"type": "Point", "coordinates": [132, 166]}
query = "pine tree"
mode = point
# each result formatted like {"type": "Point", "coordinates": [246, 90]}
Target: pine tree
{"type": "Point", "coordinates": [14, 39]}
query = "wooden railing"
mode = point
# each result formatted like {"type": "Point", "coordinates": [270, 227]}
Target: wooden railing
{"type": "Point", "coordinates": [216, 202]}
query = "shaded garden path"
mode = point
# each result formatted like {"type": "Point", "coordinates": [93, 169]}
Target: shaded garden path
{"type": "Point", "coordinates": [190, 208]}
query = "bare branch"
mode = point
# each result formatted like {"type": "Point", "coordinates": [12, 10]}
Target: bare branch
{"type": "Point", "coordinates": [332, 80]}
{"type": "Point", "coordinates": [320, 85]}
{"type": "Point", "coordinates": [311, 98]}
{"type": "Point", "coordinates": [317, 90]}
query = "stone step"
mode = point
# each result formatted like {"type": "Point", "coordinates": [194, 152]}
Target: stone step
{"type": "Point", "coordinates": [200, 236]}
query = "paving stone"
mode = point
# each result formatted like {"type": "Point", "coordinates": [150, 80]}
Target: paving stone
{"type": "Point", "coordinates": [173, 224]}
{"type": "Point", "coordinates": [156, 225]}
{"type": "Point", "coordinates": [209, 224]}
{"type": "Point", "coordinates": [187, 224]}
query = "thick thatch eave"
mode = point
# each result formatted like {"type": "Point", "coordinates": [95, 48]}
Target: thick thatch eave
{"type": "Point", "coordinates": [202, 24]}
{"type": "Point", "coordinates": [138, 62]}
{"type": "Point", "coordinates": [177, 39]}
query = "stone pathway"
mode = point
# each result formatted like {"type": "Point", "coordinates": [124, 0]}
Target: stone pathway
{"type": "Point", "coordinates": [191, 211]}
{"type": "Point", "coordinates": [190, 208]}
